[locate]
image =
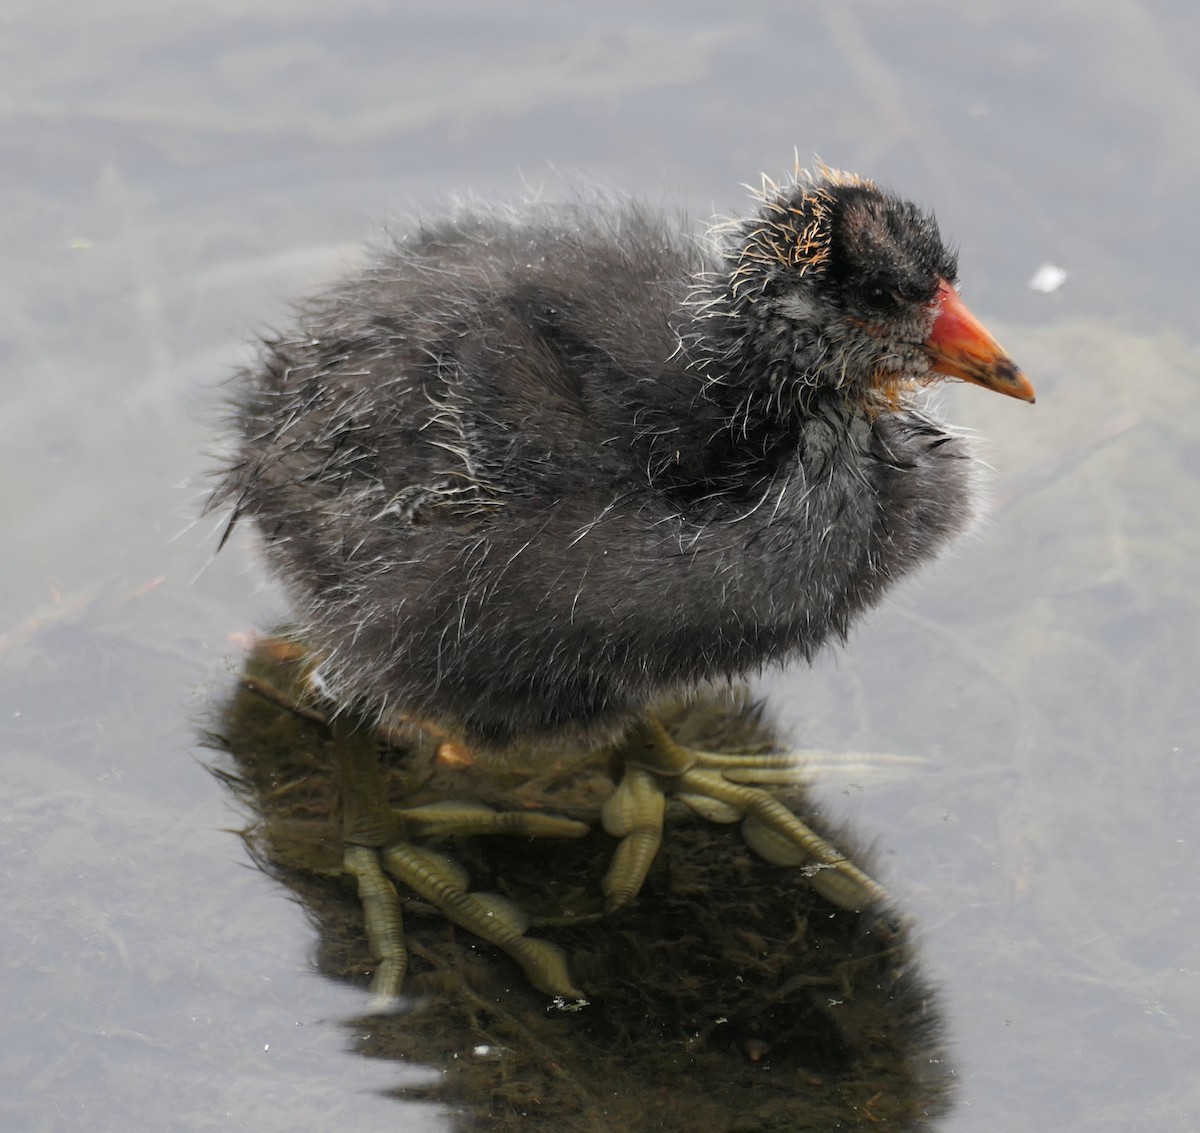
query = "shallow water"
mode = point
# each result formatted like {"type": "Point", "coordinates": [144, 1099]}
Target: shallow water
{"type": "Point", "coordinates": [176, 172]}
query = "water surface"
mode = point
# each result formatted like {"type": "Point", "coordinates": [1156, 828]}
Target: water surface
{"type": "Point", "coordinates": [175, 172]}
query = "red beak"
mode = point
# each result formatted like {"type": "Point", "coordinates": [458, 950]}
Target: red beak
{"type": "Point", "coordinates": [960, 347]}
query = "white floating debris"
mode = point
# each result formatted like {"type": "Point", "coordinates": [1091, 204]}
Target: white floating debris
{"type": "Point", "coordinates": [1047, 278]}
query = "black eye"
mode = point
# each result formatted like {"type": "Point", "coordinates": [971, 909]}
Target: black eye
{"type": "Point", "coordinates": [877, 297]}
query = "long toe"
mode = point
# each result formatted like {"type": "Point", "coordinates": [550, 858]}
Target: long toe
{"type": "Point", "coordinates": [384, 924]}
{"type": "Point", "coordinates": [443, 883]}
{"type": "Point", "coordinates": [466, 817]}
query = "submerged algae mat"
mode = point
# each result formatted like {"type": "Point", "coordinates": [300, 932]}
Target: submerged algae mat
{"type": "Point", "coordinates": [729, 998]}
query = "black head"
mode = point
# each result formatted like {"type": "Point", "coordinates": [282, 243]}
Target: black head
{"type": "Point", "coordinates": [886, 256]}
{"type": "Point", "coordinates": [836, 285]}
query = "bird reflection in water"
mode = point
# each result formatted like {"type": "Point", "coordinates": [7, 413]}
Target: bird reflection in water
{"type": "Point", "coordinates": [730, 996]}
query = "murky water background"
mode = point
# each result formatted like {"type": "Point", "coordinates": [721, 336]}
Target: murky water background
{"type": "Point", "coordinates": [173, 173]}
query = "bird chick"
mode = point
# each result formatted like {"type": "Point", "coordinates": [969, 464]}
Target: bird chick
{"type": "Point", "coordinates": [534, 470]}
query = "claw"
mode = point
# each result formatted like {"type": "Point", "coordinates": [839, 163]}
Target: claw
{"type": "Point", "coordinates": [845, 885]}
{"type": "Point", "coordinates": [545, 966]}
